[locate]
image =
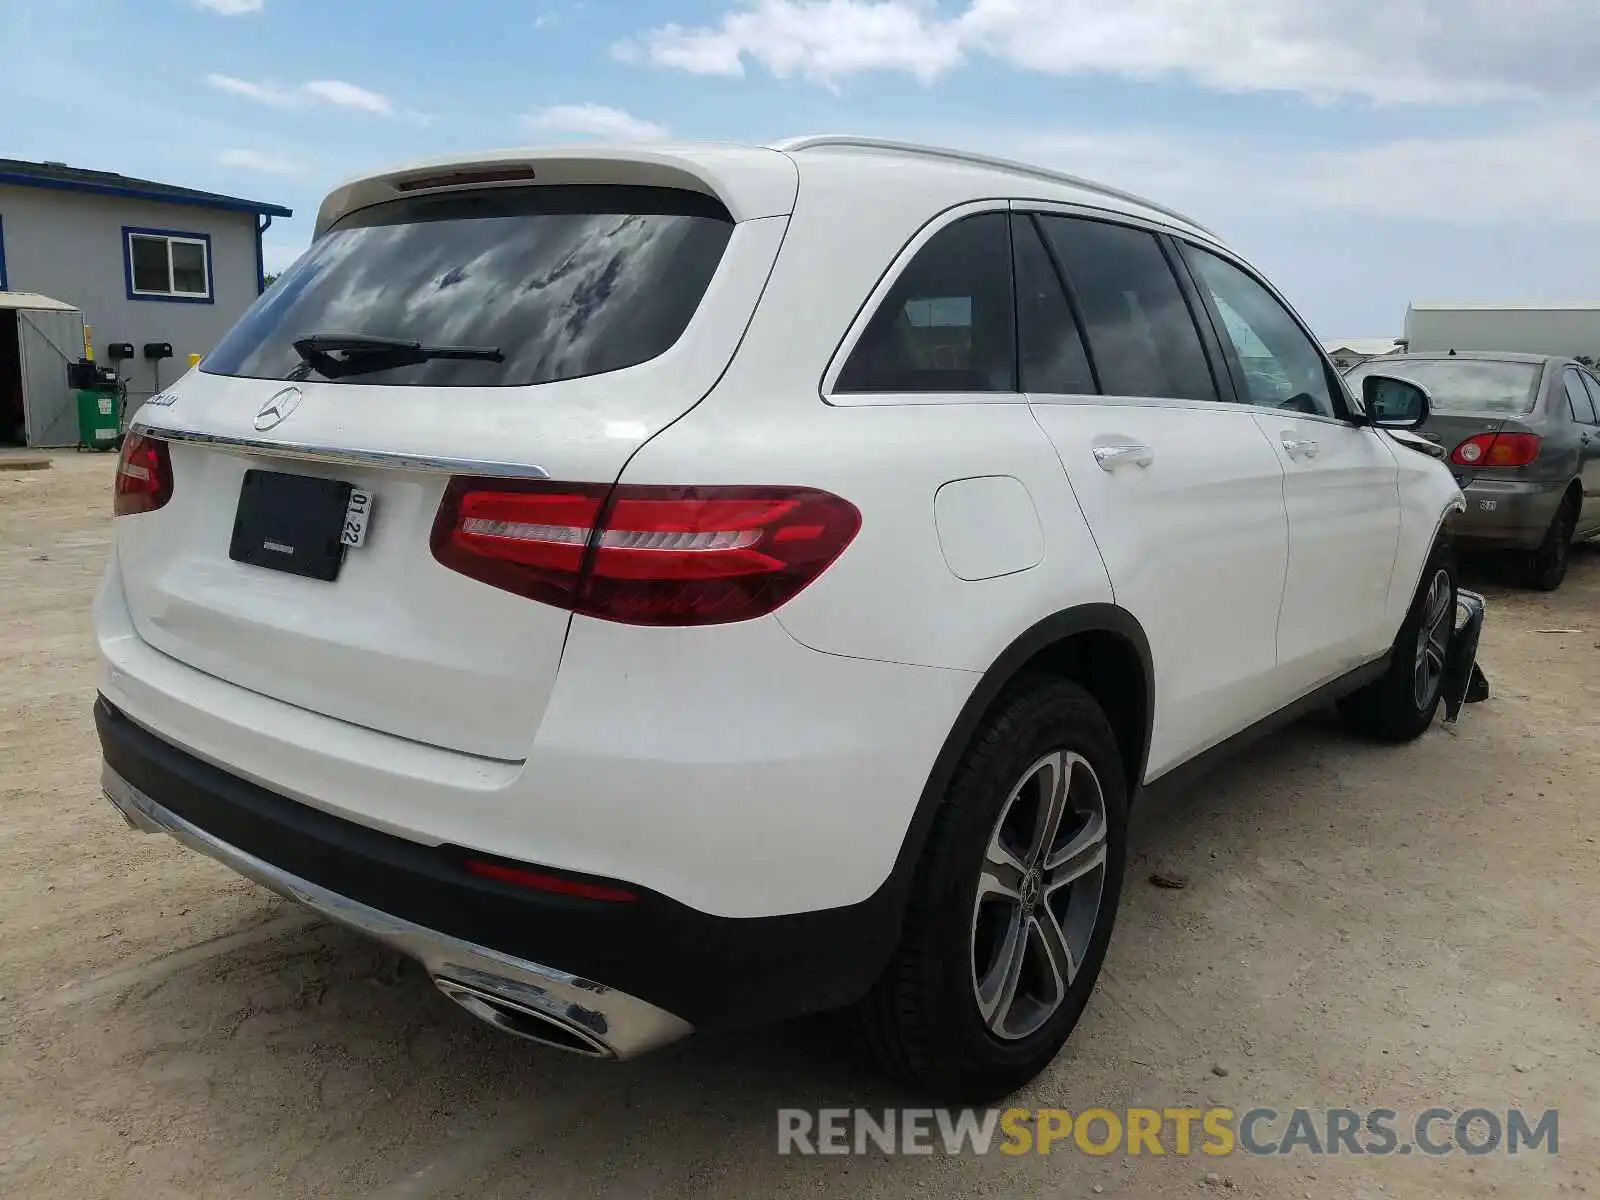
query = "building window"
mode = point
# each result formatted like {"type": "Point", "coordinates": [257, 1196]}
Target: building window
{"type": "Point", "coordinates": [163, 264]}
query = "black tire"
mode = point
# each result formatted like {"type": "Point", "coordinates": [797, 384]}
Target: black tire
{"type": "Point", "coordinates": [923, 1019]}
{"type": "Point", "coordinates": [1544, 569]}
{"type": "Point", "coordinates": [1389, 709]}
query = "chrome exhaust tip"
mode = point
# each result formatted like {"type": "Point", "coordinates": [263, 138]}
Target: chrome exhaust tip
{"type": "Point", "coordinates": [524, 1021]}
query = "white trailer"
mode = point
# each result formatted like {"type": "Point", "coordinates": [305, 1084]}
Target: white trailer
{"type": "Point", "coordinates": [1568, 329]}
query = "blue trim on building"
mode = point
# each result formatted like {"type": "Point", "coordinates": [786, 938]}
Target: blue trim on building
{"type": "Point", "coordinates": [127, 266]}
{"type": "Point", "coordinates": [4, 285]}
{"type": "Point", "coordinates": [226, 203]}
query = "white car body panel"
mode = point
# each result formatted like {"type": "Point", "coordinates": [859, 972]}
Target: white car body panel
{"type": "Point", "coordinates": [1197, 546]}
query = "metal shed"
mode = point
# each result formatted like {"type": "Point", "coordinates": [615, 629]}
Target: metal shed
{"type": "Point", "coordinates": [39, 337]}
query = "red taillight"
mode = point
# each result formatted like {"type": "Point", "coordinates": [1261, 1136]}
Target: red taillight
{"type": "Point", "coordinates": [144, 476]}
{"type": "Point", "coordinates": [538, 881]}
{"type": "Point", "coordinates": [1497, 450]}
{"type": "Point", "coordinates": [641, 554]}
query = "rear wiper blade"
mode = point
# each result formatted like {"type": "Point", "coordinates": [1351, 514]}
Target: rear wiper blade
{"type": "Point", "coordinates": [338, 354]}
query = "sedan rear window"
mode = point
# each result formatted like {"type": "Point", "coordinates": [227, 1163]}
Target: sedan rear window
{"type": "Point", "coordinates": [488, 289]}
{"type": "Point", "coordinates": [1461, 385]}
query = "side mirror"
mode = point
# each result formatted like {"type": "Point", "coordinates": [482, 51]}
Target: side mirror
{"type": "Point", "coordinates": [1395, 403]}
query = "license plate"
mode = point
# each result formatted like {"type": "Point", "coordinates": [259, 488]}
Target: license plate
{"type": "Point", "coordinates": [295, 523]}
{"type": "Point", "coordinates": [356, 515]}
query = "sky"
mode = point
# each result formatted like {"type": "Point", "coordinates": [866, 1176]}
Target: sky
{"type": "Point", "coordinates": [1363, 153]}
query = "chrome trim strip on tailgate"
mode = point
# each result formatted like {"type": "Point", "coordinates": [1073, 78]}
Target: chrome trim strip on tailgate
{"type": "Point", "coordinates": [624, 1025]}
{"type": "Point", "coordinates": [342, 455]}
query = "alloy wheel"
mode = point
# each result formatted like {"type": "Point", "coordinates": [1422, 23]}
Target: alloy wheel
{"type": "Point", "coordinates": [1039, 894]}
{"type": "Point", "coordinates": [1433, 642]}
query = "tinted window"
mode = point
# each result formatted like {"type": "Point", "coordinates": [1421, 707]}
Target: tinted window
{"type": "Point", "coordinates": [1050, 351]}
{"type": "Point", "coordinates": [1578, 399]}
{"type": "Point", "coordinates": [947, 325]}
{"type": "Point", "coordinates": [1140, 330]}
{"type": "Point", "coordinates": [1280, 365]}
{"type": "Point", "coordinates": [562, 281]}
{"type": "Point", "coordinates": [1461, 385]}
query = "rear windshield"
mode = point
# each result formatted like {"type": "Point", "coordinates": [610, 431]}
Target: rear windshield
{"type": "Point", "coordinates": [1463, 385]}
{"type": "Point", "coordinates": [547, 283]}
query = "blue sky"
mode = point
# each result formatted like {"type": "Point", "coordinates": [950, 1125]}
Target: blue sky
{"type": "Point", "coordinates": [1362, 152]}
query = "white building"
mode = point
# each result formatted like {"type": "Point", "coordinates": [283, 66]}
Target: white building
{"type": "Point", "coordinates": [1570, 329]}
{"type": "Point", "coordinates": [1347, 352]}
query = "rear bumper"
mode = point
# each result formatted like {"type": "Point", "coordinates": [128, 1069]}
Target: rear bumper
{"type": "Point", "coordinates": [596, 1019]}
{"type": "Point", "coordinates": [634, 975]}
{"type": "Point", "coordinates": [1506, 514]}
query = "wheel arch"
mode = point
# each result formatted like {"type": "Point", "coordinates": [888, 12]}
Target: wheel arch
{"type": "Point", "coordinates": [1100, 646]}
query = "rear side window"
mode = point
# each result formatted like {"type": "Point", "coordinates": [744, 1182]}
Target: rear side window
{"type": "Point", "coordinates": [948, 323]}
{"type": "Point", "coordinates": [1593, 385]}
{"type": "Point", "coordinates": [1140, 330]}
{"type": "Point", "coordinates": [559, 282]}
{"type": "Point", "coordinates": [1050, 350]}
{"type": "Point", "coordinates": [1578, 398]}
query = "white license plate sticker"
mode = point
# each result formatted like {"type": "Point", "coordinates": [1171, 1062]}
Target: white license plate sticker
{"type": "Point", "coordinates": [356, 515]}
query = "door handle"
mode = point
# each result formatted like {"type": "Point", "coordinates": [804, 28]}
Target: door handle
{"type": "Point", "coordinates": [1298, 448]}
{"type": "Point", "coordinates": [1110, 458]}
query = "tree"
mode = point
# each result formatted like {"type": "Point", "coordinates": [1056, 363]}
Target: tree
{"type": "Point", "coordinates": [268, 280]}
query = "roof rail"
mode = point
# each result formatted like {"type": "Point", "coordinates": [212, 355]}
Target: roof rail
{"type": "Point", "coordinates": [817, 141]}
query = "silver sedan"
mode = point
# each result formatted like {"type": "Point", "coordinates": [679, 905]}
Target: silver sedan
{"type": "Point", "coordinates": [1522, 434]}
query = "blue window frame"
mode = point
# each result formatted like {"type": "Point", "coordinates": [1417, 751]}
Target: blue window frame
{"type": "Point", "coordinates": [167, 265]}
{"type": "Point", "coordinates": [4, 286]}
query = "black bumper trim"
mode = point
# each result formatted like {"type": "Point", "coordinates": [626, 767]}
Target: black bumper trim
{"type": "Point", "coordinates": [711, 971]}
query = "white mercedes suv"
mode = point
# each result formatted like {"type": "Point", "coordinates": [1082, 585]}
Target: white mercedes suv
{"type": "Point", "coordinates": [663, 589]}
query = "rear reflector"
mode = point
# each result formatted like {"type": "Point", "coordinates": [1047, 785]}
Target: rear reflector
{"type": "Point", "coordinates": [644, 555]}
{"type": "Point", "coordinates": [144, 476]}
{"type": "Point", "coordinates": [538, 881]}
{"type": "Point", "coordinates": [1497, 450]}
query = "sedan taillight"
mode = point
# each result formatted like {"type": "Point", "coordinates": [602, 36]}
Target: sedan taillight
{"type": "Point", "coordinates": [144, 476]}
{"type": "Point", "coordinates": [644, 555]}
{"type": "Point", "coordinates": [1497, 450]}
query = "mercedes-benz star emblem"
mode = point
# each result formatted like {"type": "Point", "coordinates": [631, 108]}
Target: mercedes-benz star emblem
{"type": "Point", "coordinates": [276, 410]}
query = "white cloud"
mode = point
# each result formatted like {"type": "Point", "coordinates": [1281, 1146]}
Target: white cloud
{"type": "Point", "coordinates": [325, 91]}
{"type": "Point", "coordinates": [261, 93]}
{"type": "Point", "coordinates": [348, 95]}
{"type": "Point", "coordinates": [1516, 176]}
{"type": "Point", "coordinates": [1422, 51]}
{"type": "Point", "coordinates": [232, 8]}
{"type": "Point", "coordinates": [595, 120]}
{"type": "Point", "coordinates": [255, 160]}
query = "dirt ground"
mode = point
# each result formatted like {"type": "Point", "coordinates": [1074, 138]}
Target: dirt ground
{"type": "Point", "coordinates": [1362, 927]}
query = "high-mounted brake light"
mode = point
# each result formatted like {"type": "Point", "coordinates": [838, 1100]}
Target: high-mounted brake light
{"type": "Point", "coordinates": [644, 555]}
{"type": "Point", "coordinates": [144, 476]}
{"type": "Point", "coordinates": [1497, 450]}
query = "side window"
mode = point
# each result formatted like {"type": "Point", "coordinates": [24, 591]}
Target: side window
{"type": "Point", "coordinates": [1578, 401]}
{"type": "Point", "coordinates": [1050, 354]}
{"type": "Point", "coordinates": [948, 323]}
{"type": "Point", "coordinates": [1140, 331]}
{"type": "Point", "coordinates": [1282, 367]}
{"type": "Point", "coordinates": [1593, 385]}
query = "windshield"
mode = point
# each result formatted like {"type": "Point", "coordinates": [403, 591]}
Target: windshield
{"type": "Point", "coordinates": [1462, 385]}
{"type": "Point", "coordinates": [561, 281]}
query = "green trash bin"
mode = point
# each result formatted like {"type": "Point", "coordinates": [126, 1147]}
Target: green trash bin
{"type": "Point", "coordinates": [99, 418]}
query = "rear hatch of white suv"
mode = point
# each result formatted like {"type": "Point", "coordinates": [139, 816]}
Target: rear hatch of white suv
{"type": "Point", "coordinates": [510, 321]}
